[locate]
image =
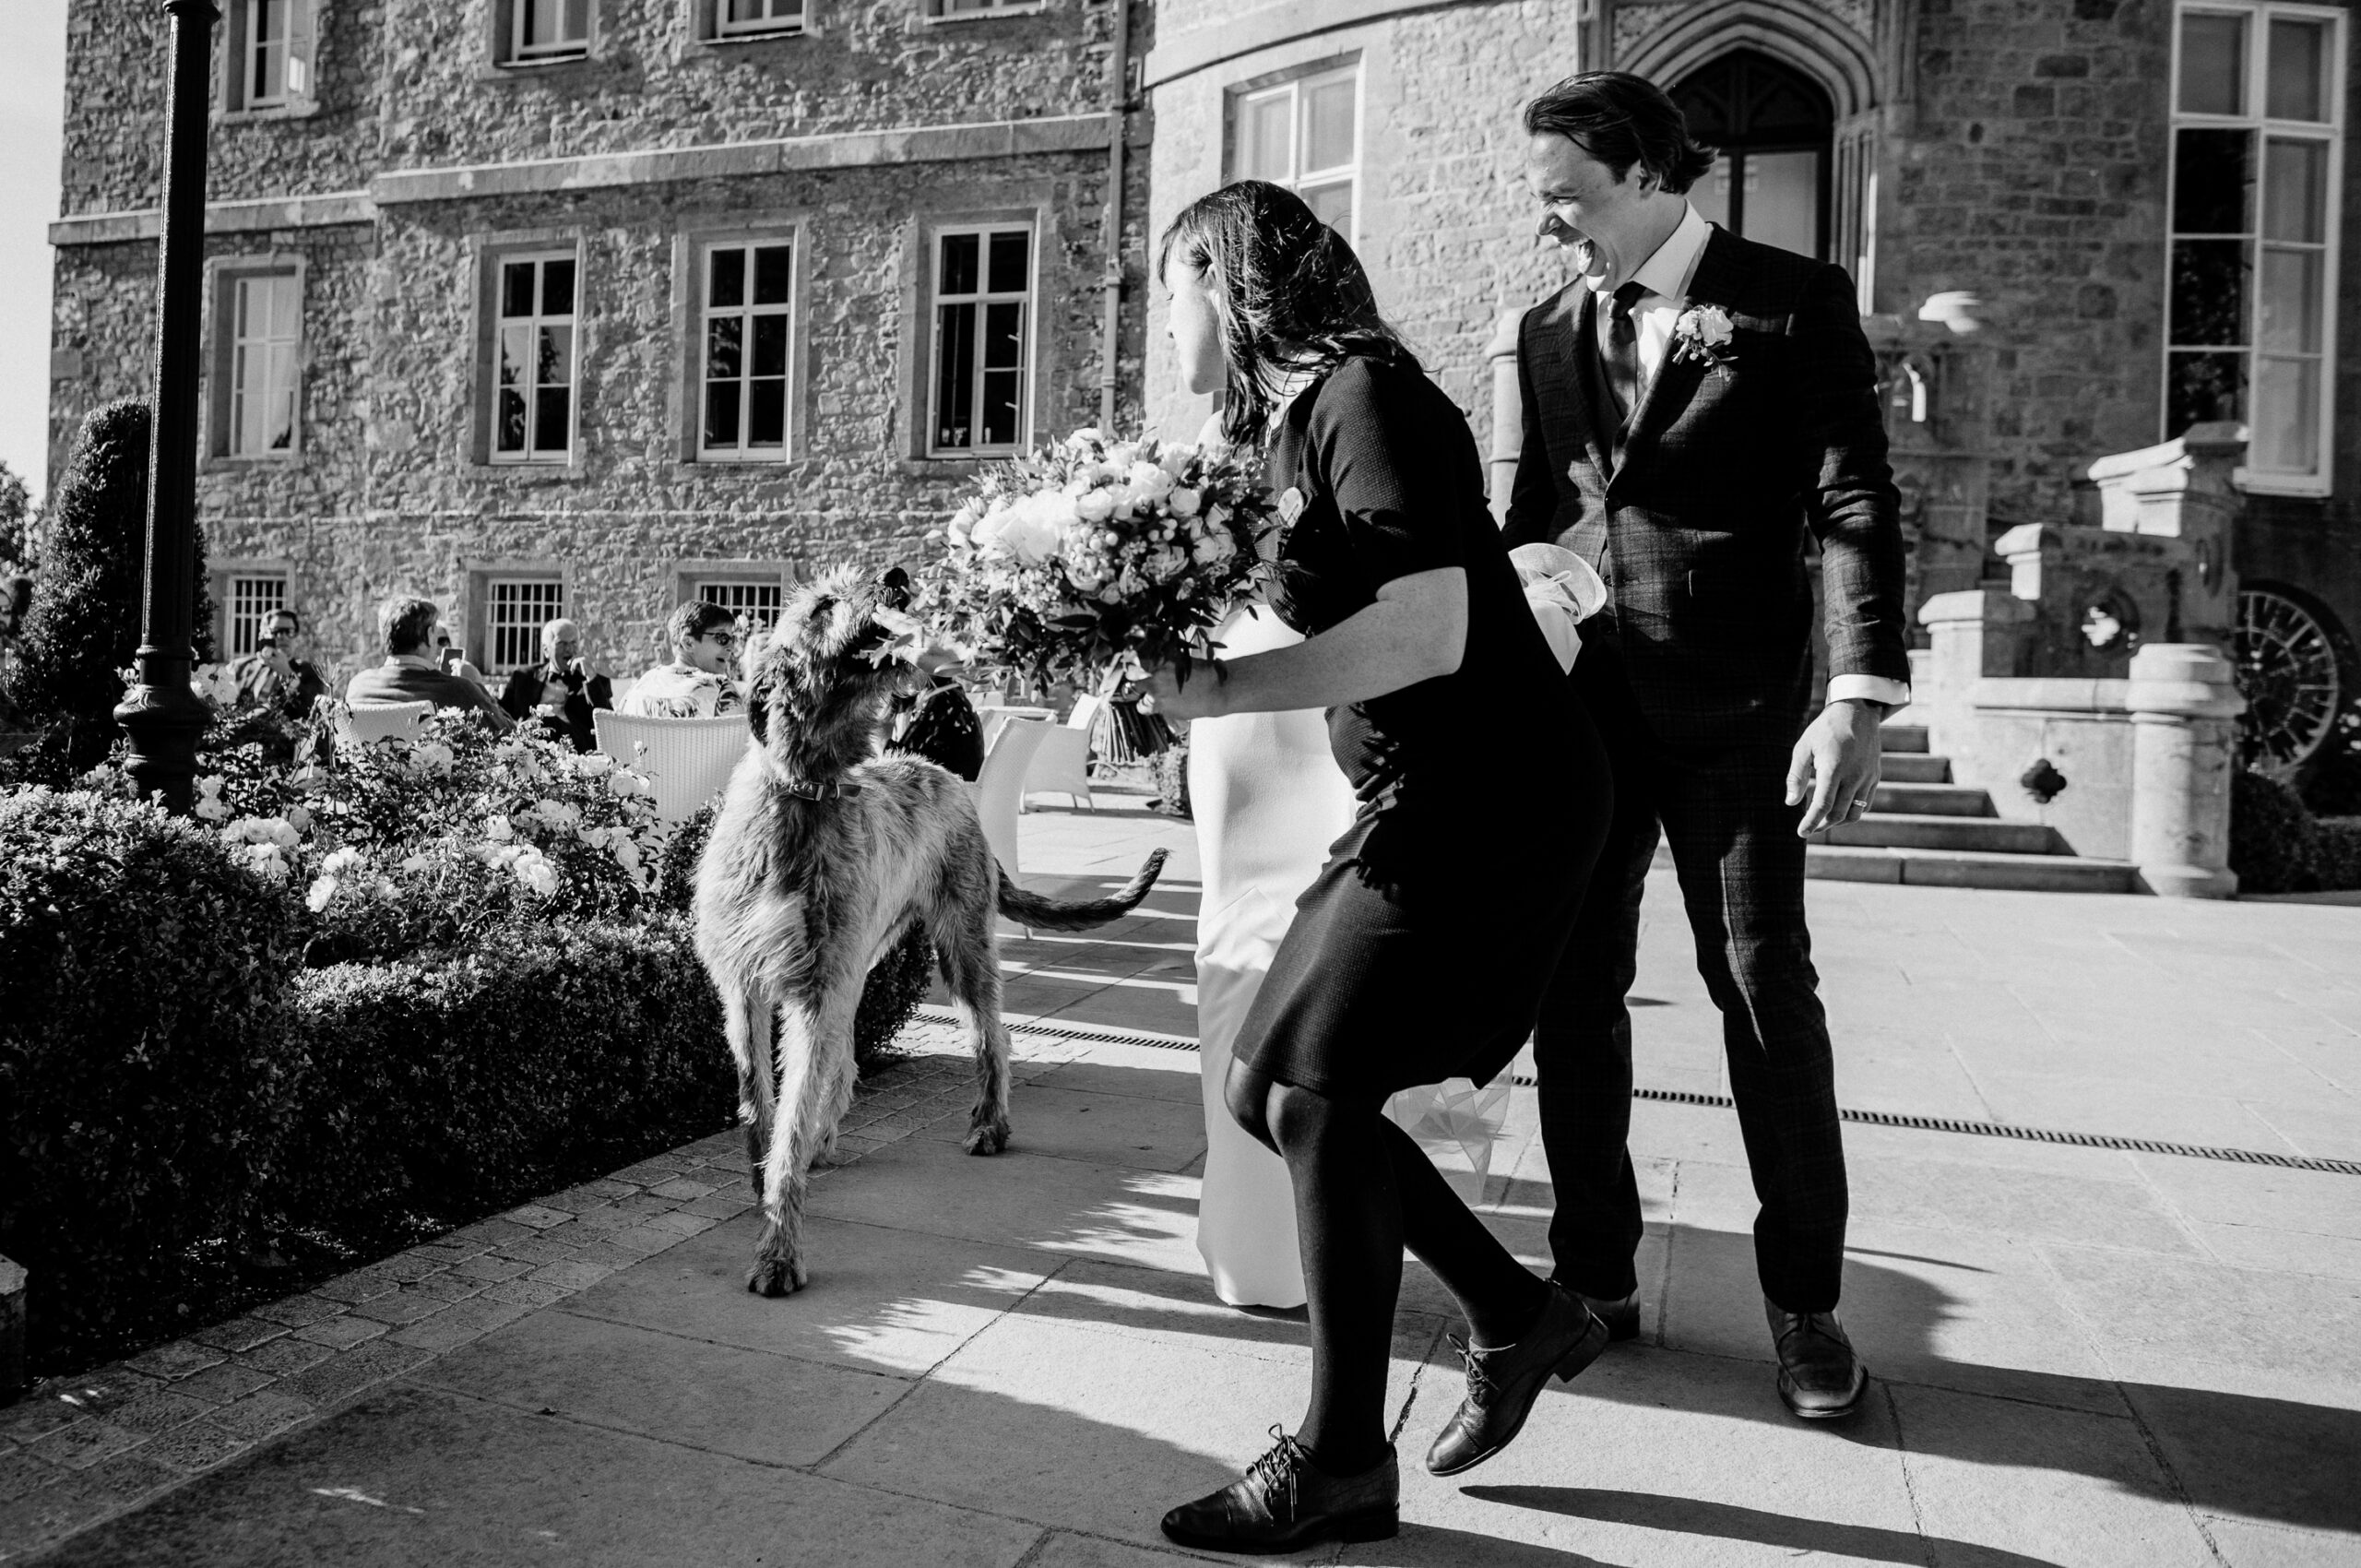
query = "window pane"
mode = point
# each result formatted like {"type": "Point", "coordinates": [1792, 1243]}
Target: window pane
{"type": "Point", "coordinates": [773, 274]}
{"type": "Point", "coordinates": [1010, 255]}
{"type": "Point", "coordinates": [1333, 205]}
{"type": "Point", "coordinates": [577, 21]}
{"type": "Point", "coordinates": [514, 341]}
{"type": "Point", "coordinates": [557, 288]}
{"type": "Point", "coordinates": [770, 345]}
{"type": "Point", "coordinates": [1000, 407]}
{"type": "Point", "coordinates": [1004, 335]}
{"type": "Point", "coordinates": [2291, 302]}
{"type": "Point", "coordinates": [2214, 182]}
{"type": "Point", "coordinates": [1265, 137]}
{"type": "Point", "coordinates": [766, 413]}
{"type": "Point", "coordinates": [2298, 53]}
{"type": "Point", "coordinates": [510, 437]}
{"type": "Point", "coordinates": [550, 405]}
{"type": "Point", "coordinates": [285, 306]}
{"type": "Point", "coordinates": [955, 347]}
{"type": "Point", "coordinates": [1783, 200]}
{"type": "Point", "coordinates": [721, 413]}
{"type": "Point", "coordinates": [2203, 386]}
{"type": "Point", "coordinates": [721, 344]}
{"type": "Point", "coordinates": [961, 255]}
{"type": "Point", "coordinates": [556, 365]}
{"type": "Point", "coordinates": [2294, 201]}
{"type": "Point", "coordinates": [516, 289]}
{"type": "Point", "coordinates": [2285, 425]}
{"type": "Point", "coordinates": [281, 410]}
{"type": "Point", "coordinates": [728, 286]}
{"type": "Point", "coordinates": [2210, 292]}
{"type": "Point", "coordinates": [1328, 125]}
{"type": "Point", "coordinates": [2213, 65]}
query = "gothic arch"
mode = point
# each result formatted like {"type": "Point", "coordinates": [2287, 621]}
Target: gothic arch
{"type": "Point", "coordinates": [1791, 32]}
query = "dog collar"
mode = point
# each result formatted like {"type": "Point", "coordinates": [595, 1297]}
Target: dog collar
{"type": "Point", "coordinates": [822, 792]}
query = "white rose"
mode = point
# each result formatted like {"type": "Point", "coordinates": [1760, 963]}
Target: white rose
{"type": "Point", "coordinates": [342, 861]}
{"type": "Point", "coordinates": [1175, 460]}
{"type": "Point", "coordinates": [299, 819]}
{"type": "Point", "coordinates": [1123, 453]}
{"type": "Point", "coordinates": [986, 534]}
{"type": "Point", "coordinates": [1184, 502]}
{"type": "Point", "coordinates": [537, 875]}
{"type": "Point", "coordinates": [499, 829]}
{"type": "Point", "coordinates": [1212, 546]}
{"type": "Point", "coordinates": [414, 864]}
{"type": "Point", "coordinates": [211, 809]}
{"type": "Point", "coordinates": [1149, 482]}
{"type": "Point", "coordinates": [1168, 563]}
{"type": "Point", "coordinates": [322, 889]}
{"type": "Point", "coordinates": [1095, 507]}
{"type": "Point", "coordinates": [590, 765]}
{"type": "Point", "coordinates": [1037, 528]}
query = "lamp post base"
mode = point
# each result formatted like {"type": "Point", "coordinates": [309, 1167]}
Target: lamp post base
{"type": "Point", "coordinates": [164, 717]}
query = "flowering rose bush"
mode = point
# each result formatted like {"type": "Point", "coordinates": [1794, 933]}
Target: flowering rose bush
{"type": "Point", "coordinates": [1092, 552]}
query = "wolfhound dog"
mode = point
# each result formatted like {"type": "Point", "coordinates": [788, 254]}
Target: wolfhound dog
{"type": "Point", "coordinates": [823, 856]}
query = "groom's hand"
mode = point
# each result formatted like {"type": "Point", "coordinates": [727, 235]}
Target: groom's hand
{"type": "Point", "coordinates": [1835, 764]}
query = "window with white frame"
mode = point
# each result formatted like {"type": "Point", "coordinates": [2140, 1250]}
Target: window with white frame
{"type": "Point", "coordinates": [1304, 135]}
{"type": "Point", "coordinates": [744, 348]}
{"type": "Point", "coordinates": [541, 31]}
{"type": "Point", "coordinates": [983, 332]}
{"type": "Point", "coordinates": [267, 55]}
{"type": "Point", "coordinates": [753, 19]}
{"type": "Point", "coordinates": [515, 610]}
{"type": "Point", "coordinates": [753, 600]}
{"type": "Point", "coordinates": [253, 601]}
{"type": "Point", "coordinates": [533, 404]}
{"type": "Point", "coordinates": [2258, 103]}
{"type": "Point", "coordinates": [942, 9]}
{"type": "Point", "coordinates": [264, 312]}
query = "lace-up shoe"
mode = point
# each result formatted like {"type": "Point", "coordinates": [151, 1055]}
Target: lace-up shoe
{"type": "Point", "coordinates": [1503, 1383]}
{"type": "Point", "coordinates": [1284, 1502]}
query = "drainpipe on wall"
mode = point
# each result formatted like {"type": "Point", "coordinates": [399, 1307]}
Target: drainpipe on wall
{"type": "Point", "coordinates": [1111, 283]}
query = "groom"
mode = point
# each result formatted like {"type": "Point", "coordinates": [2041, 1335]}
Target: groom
{"type": "Point", "coordinates": [1694, 403]}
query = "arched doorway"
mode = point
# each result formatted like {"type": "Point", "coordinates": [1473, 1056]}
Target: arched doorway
{"type": "Point", "coordinates": [1775, 129]}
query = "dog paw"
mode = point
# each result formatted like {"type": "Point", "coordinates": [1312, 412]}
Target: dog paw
{"type": "Point", "coordinates": [777, 1276]}
{"type": "Point", "coordinates": [989, 1138]}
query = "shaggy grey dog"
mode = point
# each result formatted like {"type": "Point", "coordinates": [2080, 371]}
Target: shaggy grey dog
{"type": "Point", "coordinates": [823, 856]}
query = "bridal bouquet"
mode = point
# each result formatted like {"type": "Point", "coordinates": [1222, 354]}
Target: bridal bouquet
{"type": "Point", "coordinates": [1076, 560]}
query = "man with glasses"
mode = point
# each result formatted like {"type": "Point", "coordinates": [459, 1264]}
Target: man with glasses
{"type": "Point", "coordinates": [559, 693]}
{"type": "Point", "coordinates": [700, 681]}
{"type": "Point", "coordinates": [276, 674]}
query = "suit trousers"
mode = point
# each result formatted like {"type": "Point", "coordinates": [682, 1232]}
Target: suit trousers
{"type": "Point", "coordinates": [1742, 873]}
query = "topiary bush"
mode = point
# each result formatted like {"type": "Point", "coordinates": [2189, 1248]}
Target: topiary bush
{"type": "Point", "coordinates": [149, 1066]}
{"type": "Point", "coordinates": [2273, 842]}
{"type": "Point", "coordinates": [2336, 864]}
{"type": "Point", "coordinates": [84, 624]}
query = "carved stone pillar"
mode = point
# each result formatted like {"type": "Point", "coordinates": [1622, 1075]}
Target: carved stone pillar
{"type": "Point", "coordinates": [2185, 704]}
{"type": "Point", "coordinates": [2182, 489]}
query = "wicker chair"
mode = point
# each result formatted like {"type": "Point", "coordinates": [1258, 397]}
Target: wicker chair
{"type": "Point", "coordinates": [1000, 788]}
{"type": "Point", "coordinates": [364, 723]}
{"type": "Point", "coordinates": [688, 760]}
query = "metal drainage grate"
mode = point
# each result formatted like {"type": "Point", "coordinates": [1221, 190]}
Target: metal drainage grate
{"type": "Point", "coordinates": [1112, 1035]}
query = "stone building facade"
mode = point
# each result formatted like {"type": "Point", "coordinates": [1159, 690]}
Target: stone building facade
{"type": "Point", "coordinates": [2078, 227]}
{"type": "Point", "coordinates": [599, 304]}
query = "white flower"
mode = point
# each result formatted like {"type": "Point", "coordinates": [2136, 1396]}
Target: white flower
{"type": "Point", "coordinates": [211, 808]}
{"type": "Point", "coordinates": [499, 829]}
{"type": "Point", "coordinates": [1175, 460]}
{"type": "Point", "coordinates": [1089, 437]}
{"type": "Point", "coordinates": [1184, 502]}
{"type": "Point", "coordinates": [963, 523]}
{"type": "Point", "coordinates": [557, 814]}
{"type": "Point", "coordinates": [322, 889]}
{"type": "Point", "coordinates": [623, 784]}
{"type": "Point", "coordinates": [415, 863]}
{"type": "Point", "coordinates": [1211, 546]}
{"type": "Point", "coordinates": [299, 819]}
{"type": "Point", "coordinates": [340, 862]}
{"type": "Point", "coordinates": [1123, 453]}
{"type": "Point", "coordinates": [535, 871]}
{"type": "Point", "coordinates": [267, 862]}
{"type": "Point", "coordinates": [1166, 563]}
{"type": "Point", "coordinates": [590, 765]}
{"type": "Point", "coordinates": [1149, 482]}
{"type": "Point", "coordinates": [431, 757]}
{"type": "Point", "coordinates": [1095, 507]}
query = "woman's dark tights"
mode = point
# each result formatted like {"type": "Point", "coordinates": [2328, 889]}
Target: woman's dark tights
{"type": "Point", "coordinates": [1363, 1188]}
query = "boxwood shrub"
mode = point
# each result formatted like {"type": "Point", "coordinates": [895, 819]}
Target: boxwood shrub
{"type": "Point", "coordinates": [150, 1060]}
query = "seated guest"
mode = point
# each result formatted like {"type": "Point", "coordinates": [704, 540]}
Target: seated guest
{"type": "Point", "coordinates": [559, 692]}
{"type": "Point", "coordinates": [410, 671]}
{"type": "Point", "coordinates": [275, 673]}
{"type": "Point", "coordinates": [698, 683]}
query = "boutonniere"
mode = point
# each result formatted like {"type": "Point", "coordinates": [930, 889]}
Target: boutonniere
{"type": "Point", "coordinates": [1703, 335]}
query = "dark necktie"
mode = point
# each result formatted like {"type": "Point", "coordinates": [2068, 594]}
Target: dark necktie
{"type": "Point", "coordinates": [1623, 349]}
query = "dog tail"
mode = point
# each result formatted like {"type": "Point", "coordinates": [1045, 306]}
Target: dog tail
{"type": "Point", "coordinates": [1052, 914]}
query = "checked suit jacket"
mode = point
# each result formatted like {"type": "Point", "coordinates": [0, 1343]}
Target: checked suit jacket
{"type": "Point", "coordinates": [1700, 531]}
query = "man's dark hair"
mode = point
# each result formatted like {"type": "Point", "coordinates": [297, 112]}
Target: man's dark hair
{"type": "Point", "coordinates": [691, 620]}
{"type": "Point", "coordinates": [404, 622]}
{"type": "Point", "coordinates": [1291, 294]}
{"type": "Point", "coordinates": [284, 613]}
{"type": "Point", "coordinates": [1621, 120]}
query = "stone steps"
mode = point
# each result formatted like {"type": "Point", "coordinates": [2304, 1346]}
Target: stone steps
{"type": "Point", "coordinates": [1905, 830]}
{"type": "Point", "coordinates": [1913, 768]}
{"type": "Point", "coordinates": [1959, 868]}
{"type": "Point", "coordinates": [1933, 800]}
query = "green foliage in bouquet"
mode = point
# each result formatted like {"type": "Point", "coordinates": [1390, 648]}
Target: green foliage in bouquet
{"type": "Point", "coordinates": [1092, 553]}
{"type": "Point", "coordinates": [150, 1063]}
{"type": "Point", "coordinates": [84, 624]}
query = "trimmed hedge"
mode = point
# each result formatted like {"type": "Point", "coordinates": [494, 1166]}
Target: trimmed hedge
{"type": "Point", "coordinates": [454, 1084]}
{"type": "Point", "coordinates": [148, 1061]}
{"type": "Point", "coordinates": [2277, 846]}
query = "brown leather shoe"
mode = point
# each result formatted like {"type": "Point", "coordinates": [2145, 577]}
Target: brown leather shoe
{"type": "Point", "coordinates": [1820, 1378]}
{"type": "Point", "coordinates": [1621, 1315]}
{"type": "Point", "coordinates": [1284, 1502]}
{"type": "Point", "coordinates": [1503, 1383]}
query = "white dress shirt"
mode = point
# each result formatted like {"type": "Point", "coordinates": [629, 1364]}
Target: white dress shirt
{"type": "Point", "coordinates": [1666, 275]}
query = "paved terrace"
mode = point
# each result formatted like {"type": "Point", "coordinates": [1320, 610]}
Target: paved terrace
{"type": "Point", "coordinates": [2084, 1355]}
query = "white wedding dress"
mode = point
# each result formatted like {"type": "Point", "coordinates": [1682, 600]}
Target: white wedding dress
{"type": "Point", "coordinates": [1269, 799]}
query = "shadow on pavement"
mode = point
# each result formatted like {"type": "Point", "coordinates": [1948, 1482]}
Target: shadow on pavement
{"type": "Point", "coordinates": [1694, 1516]}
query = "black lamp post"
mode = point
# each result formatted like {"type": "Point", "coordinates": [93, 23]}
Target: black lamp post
{"type": "Point", "coordinates": [162, 715]}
